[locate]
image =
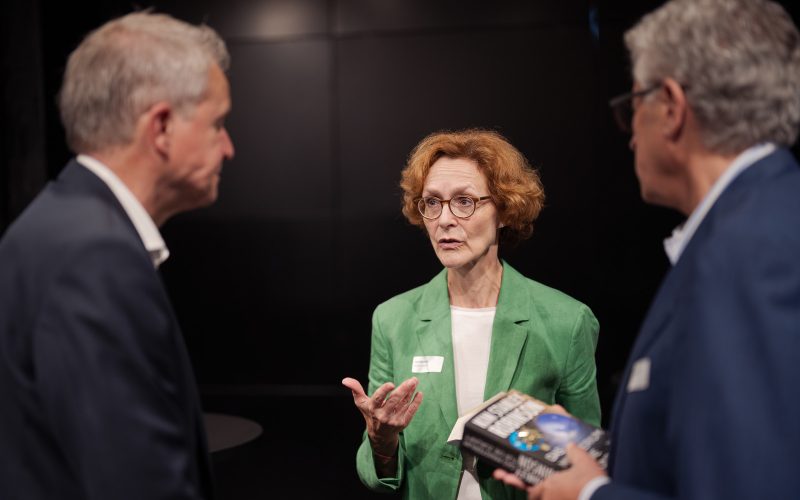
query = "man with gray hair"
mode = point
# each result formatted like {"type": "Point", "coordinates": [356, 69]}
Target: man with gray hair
{"type": "Point", "coordinates": [708, 406]}
{"type": "Point", "coordinates": [99, 399]}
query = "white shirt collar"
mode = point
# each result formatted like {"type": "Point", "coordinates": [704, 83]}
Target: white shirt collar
{"type": "Point", "coordinates": [147, 229]}
{"type": "Point", "coordinates": [675, 244]}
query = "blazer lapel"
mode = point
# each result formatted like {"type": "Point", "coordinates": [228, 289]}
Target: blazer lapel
{"type": "Point", "coordinates": [659, 313]}
{"type": "Point", "coordinates": [434, 337]}
{"type": "Point", "coordinates": [509, 332]}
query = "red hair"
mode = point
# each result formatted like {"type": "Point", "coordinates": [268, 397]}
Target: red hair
{"type": "Point", "coordinates": [514, 186]}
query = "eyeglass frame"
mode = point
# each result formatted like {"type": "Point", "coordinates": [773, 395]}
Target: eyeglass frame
{"type": "Point", "coordinates": [475, 200]}
{"type": "Point", "coordinates": [622, 106]}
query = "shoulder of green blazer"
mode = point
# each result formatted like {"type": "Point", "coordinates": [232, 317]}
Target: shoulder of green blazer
{"type": "Point", "coordinates": [542, 343]}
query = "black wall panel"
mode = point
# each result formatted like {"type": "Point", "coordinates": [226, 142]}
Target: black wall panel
{"type": "Point", "coordinates": [364, 16]}
{"type": "Point", "coordinates": [280, 125]}
{"type": "Point", "coordinates": [395, 90]}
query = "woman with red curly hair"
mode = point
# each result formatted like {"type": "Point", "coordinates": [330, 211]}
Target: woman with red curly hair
{"type": "Point", "coordinates": [478, 328]}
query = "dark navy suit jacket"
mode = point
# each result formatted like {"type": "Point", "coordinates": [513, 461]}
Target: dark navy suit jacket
{"type": "Point", "coordinates": [97, 396]}
{"type": "Point", "coordinates": [719, 417]}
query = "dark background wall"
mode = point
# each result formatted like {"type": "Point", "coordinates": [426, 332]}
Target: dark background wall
{"type": "Point", "coordinates": [275, 284]}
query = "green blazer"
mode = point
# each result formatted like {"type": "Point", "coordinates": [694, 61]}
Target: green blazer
{"type": "Point", "coordinates": [543, 344]}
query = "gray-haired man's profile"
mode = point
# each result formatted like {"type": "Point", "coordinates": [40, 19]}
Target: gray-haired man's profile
{"type": "Point", "coordinates": [99, 399]}
{"type": "Point", "coordinates": [708, 407]}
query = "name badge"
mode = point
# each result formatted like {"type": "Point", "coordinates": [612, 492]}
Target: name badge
{"type": "Point", "coordinates": [640, 375]}
{"type": "Point", "coordinates": [427, 364]}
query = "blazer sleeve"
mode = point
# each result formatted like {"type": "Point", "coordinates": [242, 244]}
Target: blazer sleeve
{"type": "Point", "coordinates": [380, 372]}
{"type": "Point", "coordinates": [577, 391]}
{"type": "Point", "coordinates": [106, 369]}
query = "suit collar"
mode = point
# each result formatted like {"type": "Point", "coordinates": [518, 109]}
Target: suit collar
{"type": "Point", "coordinates": [779, 161]}
{"type": "Point", "coordinates": [144, 224]}
{"type": "Point", "coordinates": [512, 303]}
{"type": "Point", "coordinates": [433, 332]}
{"type": "Point", "coordinates": [509, 333]}
{"type": "Point", "coordinates": [675, 244]}
{"type": "Point", "coordinates": [75, 179]}
{"type": "Point", "coordinates": [435, 300]}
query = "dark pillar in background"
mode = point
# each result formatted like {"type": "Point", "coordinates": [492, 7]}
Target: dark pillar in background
{"type": "Point", "coordinates": [22, 133]}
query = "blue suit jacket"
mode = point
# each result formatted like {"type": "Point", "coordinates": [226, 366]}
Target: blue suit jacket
{"type": "Point", "coordinates": [720, 414]}
{"type": "Point", "coordinates": [98, 396]}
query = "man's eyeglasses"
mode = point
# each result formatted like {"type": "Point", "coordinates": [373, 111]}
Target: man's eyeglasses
{"type": "Point", "coordinates": [462, 206]}
{"type": "Point", "coordinates": [622, 106]}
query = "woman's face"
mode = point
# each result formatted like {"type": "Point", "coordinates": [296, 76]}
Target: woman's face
{"type": "Point", "coordinates": [459, 242]}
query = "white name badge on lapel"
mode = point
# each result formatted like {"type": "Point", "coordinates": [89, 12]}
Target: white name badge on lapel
{"type": "Point", "coordinates": [427, 364]}
{"type": "Point", "coordinates": [640, 375]}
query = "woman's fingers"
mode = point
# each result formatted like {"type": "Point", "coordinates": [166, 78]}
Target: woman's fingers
{"type": "Point", "coordinates": [378, 399]}
{"type": "Point", "coordinates": [389, 410]}
{"type": "Point", "coordinates": [367, 404]}
{"type": "Point", "coordinates": [412, 408]}
{"type": "Point", "coordinates": [398, 400]}
{"type": "Point", "coordinates": [509, 478]}
{"type": "Point", "coordinates": [557, 409]}
{"type": "Point", "coordinates": [359, 396]}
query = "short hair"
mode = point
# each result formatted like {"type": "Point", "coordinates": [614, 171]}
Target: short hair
{"type": "Point", "coordinates": [127, 65]}
{"type": "Point", "coordinates": [737, 60]}
{"type": "Point", "coordinates": [514, 186]}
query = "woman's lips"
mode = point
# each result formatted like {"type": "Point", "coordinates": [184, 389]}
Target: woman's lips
{"type": "Point", "coordinates": [449, 243]}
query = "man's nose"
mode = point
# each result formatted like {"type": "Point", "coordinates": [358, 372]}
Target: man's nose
{"type": "Point", "coordinates": [227, 146]}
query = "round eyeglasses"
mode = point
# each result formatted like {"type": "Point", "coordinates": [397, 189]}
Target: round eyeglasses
{"type": "Point", "coordinates": [462, 206]}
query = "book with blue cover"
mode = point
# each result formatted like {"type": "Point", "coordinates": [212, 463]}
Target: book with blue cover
{"type": "Point", "coordinates": [514, 432]}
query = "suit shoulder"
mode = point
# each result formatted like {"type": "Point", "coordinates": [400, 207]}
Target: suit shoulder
{"type": "Point", "coordinates": [748, 221]}
{"type": "Point", "coordinates": [776, 210]}
{"type": "Point", "coordinates": [546, 297]}
{"type": "Point", "coordinates": [552, 295]}
{"type": "Point", "coordinates": [56, 230]}
{"type": "Point", "coordinates": [55, 220]}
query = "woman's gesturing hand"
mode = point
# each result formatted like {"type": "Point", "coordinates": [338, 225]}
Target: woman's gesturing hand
{"type": "Point", "coordinates": [386, 416]}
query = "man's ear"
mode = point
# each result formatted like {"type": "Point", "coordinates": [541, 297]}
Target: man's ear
{"type": "Point", "coordinates": [676, 108]}
{"type": "Point", "coordinates": [159, 120]}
